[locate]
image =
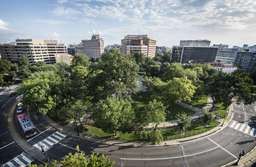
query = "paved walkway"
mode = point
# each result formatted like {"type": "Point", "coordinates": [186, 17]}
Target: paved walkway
{"type": "Point", "coordinates": [32, 151]}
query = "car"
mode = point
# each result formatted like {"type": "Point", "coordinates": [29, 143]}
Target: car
{"type": "Point", "coordinates": [19, 110]}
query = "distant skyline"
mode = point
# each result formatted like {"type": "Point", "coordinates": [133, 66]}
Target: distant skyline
{"type": "Point", "coordinates": [229, 22]}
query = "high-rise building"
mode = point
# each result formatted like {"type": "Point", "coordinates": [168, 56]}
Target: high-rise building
{"type": "Point", "coordinates": [225, 55]}
{"type": "Point", "coordinates": [35, 50]}
{"type": "Point", "coordinates": [245, 60]}
{"type": "Point", "coordinates": [141, 44]}
{"type": "Point", "coordinates": [195, 43]}
{"type": "Point", "coordinates": [93, 48]}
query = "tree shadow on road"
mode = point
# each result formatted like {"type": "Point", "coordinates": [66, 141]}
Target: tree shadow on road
{"type": "Point", "coordinates": [245, 142]}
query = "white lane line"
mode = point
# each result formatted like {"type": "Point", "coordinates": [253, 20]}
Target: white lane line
{"type": "Point", "coordinates": [242, 127]}
{"type": "Point", "coordinates": [19, 162]}
{"type": "Point", "coordinates": [7, 145]}
{"type": "Point", "coordinates": [26, 158]}
{"type": "Point", "coordinates": [222, 148]}
{"type": "Point", "coordinates": [169, 158]}
{"type": "Point", "coordinates": [185, 160]}
{"type": "Point", "coordinates": [247, 130]}
{"type": "Point", "coordinates": [37, 146]}
{"type": "Point", "coordinates": [232, 124]}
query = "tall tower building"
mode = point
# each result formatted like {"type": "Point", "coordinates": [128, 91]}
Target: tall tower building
{"type": "Point", "coordinates": [141, 44]}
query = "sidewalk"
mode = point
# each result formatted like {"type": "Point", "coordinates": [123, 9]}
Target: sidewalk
{"type": "Point", "coordinates": [248, 160]}
{"type": "Point", "coordinates": [32, 151]}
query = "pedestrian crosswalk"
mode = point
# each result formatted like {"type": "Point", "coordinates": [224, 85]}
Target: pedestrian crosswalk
{"type": "Point", "coordinates": [48, 142]}
{"type": "Point", "coordinates": [21, 160]}
{"type": "Point", "coordinates": [243, 127]}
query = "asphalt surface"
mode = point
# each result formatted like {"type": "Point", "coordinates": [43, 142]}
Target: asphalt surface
{"type": "Point", "coordinates": [211, 151]}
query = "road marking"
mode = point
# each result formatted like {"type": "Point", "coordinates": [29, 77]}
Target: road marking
{"type": "Point", "coordinates": [185, 160]}
{"type": "Point", "coordinates": [52, 139]}
{"type": "Point", "coordinates": [60, 134]}
{"type": "Point", "coordinates": [232, 124]}
{"type": "Point", "coordinates": [169, 158]}
{"type": "Point", "coordinates": [7, 145]}
{"type": "Point", "coordinates": [9, 164]}
{"type": "Point", "coordinates": [26, 158]}
{"type": "Point", "coordinates": [252, 132]}
{"type": "Point", "coordinates": [19, 162]}
{"type": "Point", "coordinates": [222, 148]}
{"type": "Point", "coordinates": [39, 134]}
{"type": "Point", "coordinates": [242, 127]}
{"type": "Point", "coordinates": [237, 126]}
{"type": "Point", "coordinates": [247, 130]}
{"type": "Point", "coordinates": [57, 137]}
{"type": "Point", "coordinates": [48, 142]}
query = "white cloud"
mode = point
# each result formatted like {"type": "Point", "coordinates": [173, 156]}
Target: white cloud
{"type": "Point", "coordinates": [3, 25]}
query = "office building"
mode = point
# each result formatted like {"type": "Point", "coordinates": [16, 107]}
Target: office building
{"type": "Point", "coordinates": [140, 44]}
{"type": "Point", "coordinates": [35, 50]}
{"type": "Point", "coordinates": [245, 60]}
{"type": "Point", "coordinates": [186, 55]}
{"type": "Point", "coordinates": [93, 48]}
{"type": "Point", "coordinates": [225, 55]}
{"type": "Point", "coordinates": [195, 43]}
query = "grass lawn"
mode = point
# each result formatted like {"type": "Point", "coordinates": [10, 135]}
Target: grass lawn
{"type": "Point", "coordinates": [96, 132]}
{"type": "Point", "coordinates": [199, 101]}
{"type": "Point", "coordinates": [221, 110]}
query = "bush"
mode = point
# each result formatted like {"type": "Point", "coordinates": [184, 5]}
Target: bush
{"type": "Point", "coordinates": [156, 136]}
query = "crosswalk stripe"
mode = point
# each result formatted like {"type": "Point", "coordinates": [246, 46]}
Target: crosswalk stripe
{"type": "Point", "coordinates": [58, 137]}
{"type": "Point", "coordinates": [26, 158]}
{"type": "Point", "coordinates": [48, 142]}
{"type": "Point", "coordinates": [44, 146]}
{"type": "Point", "coordinates": [242, 127]}
{"type": "Point", "coordinates": [60, 134]}
{"type": "Point", "coordinates": [252, 132]}
{"type": "Point", "coordinates": [19, 162]}
{"type": "Point", "coordinates": [37, 146]}
{"type": "Point", "coordinates": [247, 130]}
{"type": "Point", "coordinates": [52, 139]}
{"type": "Point", "coordinates": [10, 164]}
{"type": "Point", "coordinates": [232, 124]}
{"type": "Point", "coordinates": [237, 126]}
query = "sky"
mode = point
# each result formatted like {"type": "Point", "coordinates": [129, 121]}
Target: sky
{"type": "Point", "coordinates": [230, 22]}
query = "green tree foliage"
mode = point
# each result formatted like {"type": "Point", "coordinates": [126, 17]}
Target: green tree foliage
{"type": "Point", "coordinates": [114, 114]}
{"type": "Point", "coordinates": [7, 72]}
{"type": "Point", "coordinates": [24, 67]}
{"type": "Point", "coordinates": [37, 91]}
{"type": "Point", "coordinates": [116, 75]}
{"type": "Point", "coordinates": [184, 121]}
{"type": "Point", "coordinates": [154, 112]}
{"type": "Point", "coordinates": [79, 159]}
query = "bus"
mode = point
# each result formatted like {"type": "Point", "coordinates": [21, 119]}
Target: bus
{"type": "Point", "coordinates": [27, 126]}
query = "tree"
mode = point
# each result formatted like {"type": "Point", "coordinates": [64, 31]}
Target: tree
{"type": "Point", "coordinates": [178, 89]}
{"type": "Point", "coordinates": [114, 114]}
{"type": "Point", "coordinates": [37, 89]}
{"type": "Point", "coordinates": [174, 70]}
{"type": "Point", "coordinates": [184, 121]}
{"type": "Point", "coordinates": [154, 112]}
{"type": "Point", "coordinates": [7, 72]}
{"type": "Point", "coordinates": [79, 159]}
{"type": "Point", "coordinates": [116, 75]}
{"type": "Point", "coordinates": [24, 67]}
